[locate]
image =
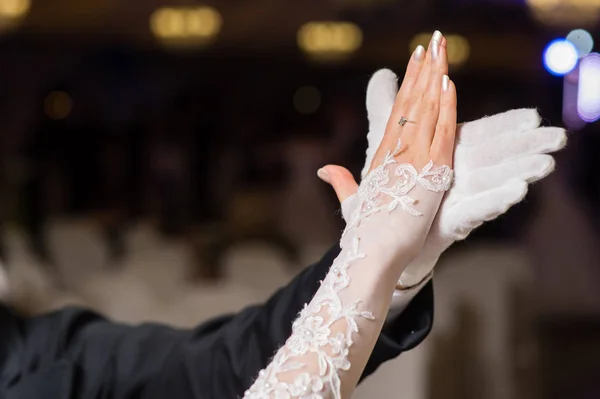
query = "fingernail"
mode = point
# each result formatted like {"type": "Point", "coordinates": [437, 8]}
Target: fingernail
{"type": "Point", "coordinates": [323, 175]}
{"type": "Point", "coordinates": [445, 82]}
{"type": "Point", "coordinates": [419, 53]}
{"type": "Point", "coordinates": [436, 41]}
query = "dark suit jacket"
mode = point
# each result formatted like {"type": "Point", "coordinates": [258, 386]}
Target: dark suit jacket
{"type": "Point", "coordinates": [75, 353]}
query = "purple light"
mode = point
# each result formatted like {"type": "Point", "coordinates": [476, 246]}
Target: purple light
{"type": "Point", "coordinates": [588, 98]}
{"type": "Point", "coordinates": [570, 117]}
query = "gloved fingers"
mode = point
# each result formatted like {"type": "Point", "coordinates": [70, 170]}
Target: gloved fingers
{"type": "Point", "coordinates": [473, 211]}
{"type": "Point", "coordinates": [381, 94]}
{"type": "Point", "coordinates": [529, 168]}
{"type": "Point", "coordinates": [505, 147]}
{"type": "Point", "coordinates": [514, 121]}
{"type": "Point", "coordinates": [341, 180]}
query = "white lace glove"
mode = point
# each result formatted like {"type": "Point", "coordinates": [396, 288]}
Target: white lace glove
{"type": "Point", "coordinates": [495, 159]}
{"type": "Point", "coordinates": [395, 206]}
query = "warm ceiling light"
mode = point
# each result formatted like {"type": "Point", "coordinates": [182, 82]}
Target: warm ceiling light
{"type": "Point", "coordinates": [58, 105]}
{"type": "Point", "coordinates": [566, 12]}
{"type": "Point", "coordinates": [167, 23]}
{"type": "Point", "coordinates": [12, 13]}
{"type": "Point", "coordinates": [307, 100]}
{"type": "Point", "coordinates": [329, 39]}
{"type": "Point", "coordinates": [457, 46]}
{"type": "Point", "coordinates": [186, 25]}
{"type": "Point", "coordinates": [14, 9]}
{"type": "Point", "coordinates": [363, 3]}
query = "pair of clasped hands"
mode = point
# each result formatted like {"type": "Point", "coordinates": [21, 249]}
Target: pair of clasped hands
{"type": "Point", "coordinates": [494, 158]}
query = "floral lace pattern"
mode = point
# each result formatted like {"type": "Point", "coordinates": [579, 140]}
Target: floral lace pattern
{"type": "Point", "coordinates": [374, 196]}
{"type": "Point", "coordinates": [312, 331]}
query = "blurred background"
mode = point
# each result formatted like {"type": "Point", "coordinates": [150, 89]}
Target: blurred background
{"type": "Point", "coordinates": [158, 162]}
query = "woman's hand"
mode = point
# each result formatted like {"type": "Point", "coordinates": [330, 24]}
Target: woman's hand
{"type": "Point", "coordinates": [427, 98]}
{"type": "Point", "coordinates": [396, 203]}
{"type": "Point", "coordinates": [406, 171]}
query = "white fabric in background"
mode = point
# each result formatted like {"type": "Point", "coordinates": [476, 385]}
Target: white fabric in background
{"type": "Point", "coordinates": [484, 277]}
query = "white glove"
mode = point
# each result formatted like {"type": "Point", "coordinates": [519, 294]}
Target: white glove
{"type": "Point", "coordinates": [495, 159]}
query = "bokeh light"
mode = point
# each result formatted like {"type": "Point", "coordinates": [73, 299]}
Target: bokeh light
{"type": "Point", "coordinates": [582, 40]}
{"type": "Point", "coordinates": [566, 12]}
{"type": "Point", "coordinates": [307, 100]}
{"type": "Point", "coordinates": [588, 99]}
{"type": "Point", "coordinates": [560, 57]}
{"type": "Point", "coordinates": [362, 3]}
{"type": "Point", "coordinates": [329, 40]}
{"type": "Point", "coordinates": [185, 26]}
{"type": "Point", "coordinates": [458, 47]}
{"type": "Point", "coordinates": [12, 12]}
{"type": "Point", "coordinates": [13, 9]}
{"type": "Point", "coordinates": [58, 105]}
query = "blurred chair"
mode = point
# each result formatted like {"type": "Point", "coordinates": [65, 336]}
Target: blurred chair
{"type": "Point", "coordinates": [471, 349]}
{"type": "Point", "coordinates": [251, 216]}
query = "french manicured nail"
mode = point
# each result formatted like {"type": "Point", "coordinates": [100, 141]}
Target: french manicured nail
{"type": "Point", "coordinates": [323, 175]}
{"type": "Point", "coordinates": [445, 82]}
{"type": "Point", "coordinates": [419, 53]}
{"type": "Point", "coordinates": [436, 41]}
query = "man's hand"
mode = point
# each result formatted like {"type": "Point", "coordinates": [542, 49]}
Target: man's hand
{"type": "Point", "coordinates": [495, 160]}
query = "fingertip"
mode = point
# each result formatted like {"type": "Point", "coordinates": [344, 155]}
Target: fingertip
{"type": "Point", "coordinates": [419, 53]}
{"type": "Point", "coordinates": [340, 179]}
{"type": "Point", "coordinates": [382, 80]}
{"type": "Point", "coordinates": [381, 93]}
{"type": "Point", "coordinates": [383, 74]}
{"type": "Point", "coordinates": [323, 174]}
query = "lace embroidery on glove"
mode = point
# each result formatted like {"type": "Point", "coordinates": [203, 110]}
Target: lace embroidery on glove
{"type": "Point", "coordinates": [312, 331]}
{"type": "Point", "coordinates": [374, 196]}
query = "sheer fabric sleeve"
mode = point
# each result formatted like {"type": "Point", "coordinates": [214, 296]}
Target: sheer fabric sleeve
{"type": "Point", "coordinates": [325, 354]}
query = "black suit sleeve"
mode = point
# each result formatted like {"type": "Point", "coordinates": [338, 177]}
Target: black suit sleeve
{"type": "Point", "coordinates": [81, 355]}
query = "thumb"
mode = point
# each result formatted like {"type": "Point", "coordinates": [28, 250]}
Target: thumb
{"type": "Point", "coordinates": [341, 180]}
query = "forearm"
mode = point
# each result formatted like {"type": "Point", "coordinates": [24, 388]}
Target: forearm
{"type": "Point", "coordinates": [341, 324]}
{"type": "Point", "coordinates": [364, 305]}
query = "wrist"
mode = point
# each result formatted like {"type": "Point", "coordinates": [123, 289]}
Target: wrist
{"type": "Point", "coordinates": [390, 249]}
